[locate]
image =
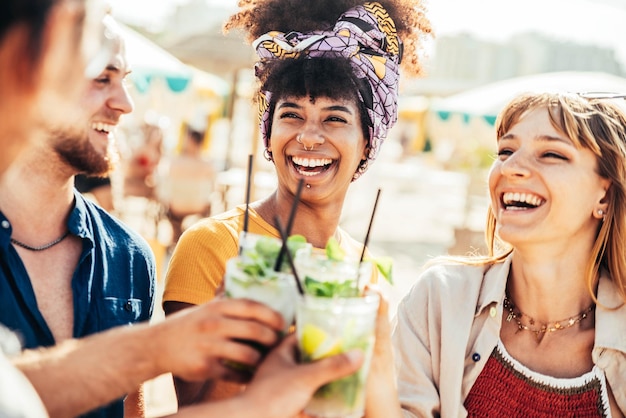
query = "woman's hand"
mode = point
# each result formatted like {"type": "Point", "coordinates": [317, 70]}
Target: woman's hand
{"type": "Point", "coordinates": [282, 387]}
{"type": "Point", "coordinates": [381, 393]}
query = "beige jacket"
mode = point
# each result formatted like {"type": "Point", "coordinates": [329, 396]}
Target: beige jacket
{"type": "Point", "coordinates": [449, 323]}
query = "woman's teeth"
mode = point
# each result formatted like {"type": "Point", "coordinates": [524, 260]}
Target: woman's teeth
{"type": "Point", "coordinates": [521, 200]}
{"type": "Point", "coordinates": [311, 162]}
{"type": "Point", "coordinates": [311, 166]}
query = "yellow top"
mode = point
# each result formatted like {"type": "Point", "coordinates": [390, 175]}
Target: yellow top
{"type": "Point", "coordinates": [198, 263]}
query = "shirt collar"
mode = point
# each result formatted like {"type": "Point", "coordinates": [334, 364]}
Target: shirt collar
{"type": "Point", "coordinates": [610, 313]}
{"type": "Point", "coordinates": [78, 222]}
{"type": "Point", "coordinates": [5, 231]}
{"type": "Point", "coordinates": [493, 286]}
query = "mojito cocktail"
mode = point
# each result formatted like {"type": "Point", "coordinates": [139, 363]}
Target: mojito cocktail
{"type": "Point", "coordinates": [326, 326]}
{"type": "Point", "coordinates": [252, 275]}
{"type": "Point", "coordinates": [277, 290]}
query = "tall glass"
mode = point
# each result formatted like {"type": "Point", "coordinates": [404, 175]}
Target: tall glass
{"type": "Point", "coordinates": [327, 326]}
{"type": "Point", "coordinates": [277, 290]}
{"type": "Point", "coordinates": [252, 275]}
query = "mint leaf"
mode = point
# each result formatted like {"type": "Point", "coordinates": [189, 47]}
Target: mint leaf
{"type": "Point", "coordinates": [344, 289]}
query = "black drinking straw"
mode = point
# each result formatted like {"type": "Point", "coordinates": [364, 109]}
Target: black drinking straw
{"type": "Point", "coordinates": [248, 186]}
{"type": "Point", "coordinates": [369, 228]}
{"type": "Point", "coordinates": [285, 250]}
{"type": "Point", "coordinates": [367, 238]}
{"type": "Point", "coordinates": [292, 215]}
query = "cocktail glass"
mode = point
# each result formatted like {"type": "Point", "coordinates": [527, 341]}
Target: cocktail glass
{"type": "Point", "coordinates": [326, 326]}
{"type": "Point", "coordinates": [251, 275]}
{"type": "Point", "coordinates": [275, 289]}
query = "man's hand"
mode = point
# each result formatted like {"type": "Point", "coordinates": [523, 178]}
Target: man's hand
{"type": "Point", "coordinates": [194, 343]}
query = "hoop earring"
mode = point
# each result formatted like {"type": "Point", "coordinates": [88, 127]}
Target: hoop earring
{"type": "Point", "coordinates": [363, 166]}
{"type": "Point", "coordinates": [268, 155]}
{"type": "Point", "coordinates": [361, 169]}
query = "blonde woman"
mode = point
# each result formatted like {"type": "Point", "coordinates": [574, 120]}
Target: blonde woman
{"type": "Point", "coordinates": [537, 327]}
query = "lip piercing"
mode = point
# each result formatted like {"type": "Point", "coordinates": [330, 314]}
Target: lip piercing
{"type": "Point", "coordinates": [308, 186]}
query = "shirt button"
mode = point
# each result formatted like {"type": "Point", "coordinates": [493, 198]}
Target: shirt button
{"type": "Point", "coordinates": [128, 306]}
{"type": "Point", "coordinates": [6, 224]}
{"type": "Point", "coordinates": [493, 311]}
{"type": "Point", "coordinates": [476, 357]}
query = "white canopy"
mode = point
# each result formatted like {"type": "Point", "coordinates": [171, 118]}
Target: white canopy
{"type": "Point", "coordinates": [460, 127]}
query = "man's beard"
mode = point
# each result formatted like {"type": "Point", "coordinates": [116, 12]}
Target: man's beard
{"type": "Point", "coordinates": [73, 147]}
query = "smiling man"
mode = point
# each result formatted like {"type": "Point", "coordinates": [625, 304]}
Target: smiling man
{"type": "Point", "coordinates": [73, 270]}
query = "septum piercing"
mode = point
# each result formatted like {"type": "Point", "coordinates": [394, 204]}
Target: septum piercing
{"type": "Point", "coordinates": [299, 141]}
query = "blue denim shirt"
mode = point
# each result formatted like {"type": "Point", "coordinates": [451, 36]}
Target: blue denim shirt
{"type": "Point", "coordinates": [113, 284]}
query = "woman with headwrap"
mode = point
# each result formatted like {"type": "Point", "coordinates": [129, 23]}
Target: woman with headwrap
{"type": "Point", "coordinates": [328, 73]}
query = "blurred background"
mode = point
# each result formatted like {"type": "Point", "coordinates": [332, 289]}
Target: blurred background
{"type": "Point", "coordinates": [183, 151]}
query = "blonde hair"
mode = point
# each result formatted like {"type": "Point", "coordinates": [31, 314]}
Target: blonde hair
{"type": "Point", "coordinates": [600, 126]}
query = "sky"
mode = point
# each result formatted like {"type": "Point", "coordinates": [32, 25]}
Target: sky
{"type": "Point", "coordinates": [599, 22]}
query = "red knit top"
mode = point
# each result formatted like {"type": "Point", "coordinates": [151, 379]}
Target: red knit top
{"type": "Point", "coordinates": [506, 388]}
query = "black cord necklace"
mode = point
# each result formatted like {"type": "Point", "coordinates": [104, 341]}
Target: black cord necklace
{"type": "Point", "coordinates": [43, 247]}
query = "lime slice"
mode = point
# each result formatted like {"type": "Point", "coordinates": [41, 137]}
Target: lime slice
{"type": "Point", "coordinates": [317, 344]}
{"type": "Point", "coordinates": [334, 251]}
{"type": "Point", "coordinates": [385, 267]}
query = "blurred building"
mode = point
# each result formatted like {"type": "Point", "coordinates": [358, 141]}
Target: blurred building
{"type": "Point", "coordinates": [464, 61]}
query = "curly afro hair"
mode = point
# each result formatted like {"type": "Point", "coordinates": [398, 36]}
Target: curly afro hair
{"type": "Point", "coordinates": [257, 17]}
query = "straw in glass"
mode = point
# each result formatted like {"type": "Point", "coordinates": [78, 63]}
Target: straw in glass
{"type": "Point", "coordinates": [292, 215]}
{"type": "Point", "coordinates": [367, 236]}
{"type": "Point", "coordinates": [248, 186]}
{"type": "Point", "coordinates": [283, 236]}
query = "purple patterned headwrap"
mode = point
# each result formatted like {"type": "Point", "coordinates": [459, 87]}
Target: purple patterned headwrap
{"type": "Point", "coordinates": [366, 35]}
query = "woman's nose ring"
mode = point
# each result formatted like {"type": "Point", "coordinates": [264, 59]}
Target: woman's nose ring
{"type": "Point", "coordinates": [299, 141]}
